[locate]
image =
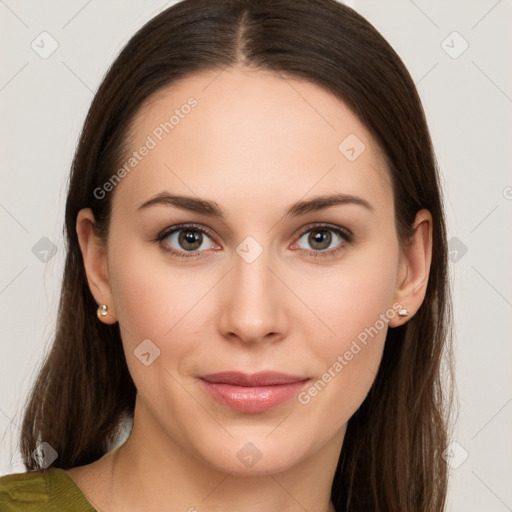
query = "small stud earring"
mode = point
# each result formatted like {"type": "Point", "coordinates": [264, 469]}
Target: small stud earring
{"type": "Point", "coordinates": [102, 310]}
{"type": "Point", "coordinates": [403, 312]}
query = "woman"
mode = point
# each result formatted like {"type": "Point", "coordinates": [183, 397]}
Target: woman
{"type": "Point", "coordinates": [256, 276]}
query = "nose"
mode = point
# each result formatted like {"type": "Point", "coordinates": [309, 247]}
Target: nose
{"type": "Point", "coordinates": [253, 302]}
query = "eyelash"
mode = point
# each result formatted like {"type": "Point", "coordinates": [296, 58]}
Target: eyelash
{"type": "Point", "coordinates": [344, 233]}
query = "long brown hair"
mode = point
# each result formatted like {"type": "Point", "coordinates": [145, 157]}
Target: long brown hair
{"type": "Point", "coordinates": [392, 451]}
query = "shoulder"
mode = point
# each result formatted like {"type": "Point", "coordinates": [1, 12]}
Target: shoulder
{"type": "Point", "coordinates": [51, 490]}
{"type": "Point", "coordinates": [23, 491]}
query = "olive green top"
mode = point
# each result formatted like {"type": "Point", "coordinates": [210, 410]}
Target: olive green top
{"type": "Point", "coordinates": [51, 490]}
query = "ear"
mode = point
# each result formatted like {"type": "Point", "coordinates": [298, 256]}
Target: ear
{"type": "Point", "coordinates": [414, 268]}
{"type": "Point", "coordinates": [94, 254]}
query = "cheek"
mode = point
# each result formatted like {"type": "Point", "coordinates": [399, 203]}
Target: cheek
{"type": "Point", "coordinates": [151, 298]}
{"type": "Point", "coordinates": [159, 301]}
{"type": "Point", "coordinates": [350, 298]}
{"type": "Point", "coordinates": [142, 298]}
{"type": "Point", "coordinates": [356, 304]}
{"type": "Point", "coordinates": [152, 304]}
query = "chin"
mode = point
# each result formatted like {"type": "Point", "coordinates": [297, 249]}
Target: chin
{"type": "Point", "coordinates": [254, 454]}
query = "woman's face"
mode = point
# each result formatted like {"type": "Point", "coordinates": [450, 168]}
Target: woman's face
{"type": "Point", "coordinates": [251, 289]}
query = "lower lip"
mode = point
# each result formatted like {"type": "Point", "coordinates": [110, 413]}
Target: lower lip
{"type": "Point", "coordinates": [254, 398]}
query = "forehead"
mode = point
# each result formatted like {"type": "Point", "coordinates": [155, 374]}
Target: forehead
{"type": "Point", "coordinates": [250, 139]}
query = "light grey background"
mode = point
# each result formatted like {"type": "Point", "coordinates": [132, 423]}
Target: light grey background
{"type": "Point", "coordinates": [468, 102]}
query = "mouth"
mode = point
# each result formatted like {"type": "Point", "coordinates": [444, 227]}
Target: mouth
{"type": "Point", "coordinates": [252, 393]}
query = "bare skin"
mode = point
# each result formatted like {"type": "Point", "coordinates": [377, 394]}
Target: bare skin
{"type": "Point", "coordinates": [256, 143]}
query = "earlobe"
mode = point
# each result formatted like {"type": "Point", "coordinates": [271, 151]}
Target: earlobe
{"type": "Point", "coordinates": [94, 256]}
{"type": "Point", "coordinates": [414, 269]}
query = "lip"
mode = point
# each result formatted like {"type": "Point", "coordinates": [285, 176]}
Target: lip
{"type": "Point", "coordinates": [253, 393]}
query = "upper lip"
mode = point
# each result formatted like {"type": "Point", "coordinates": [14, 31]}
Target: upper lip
{"type": "Point", "coordinates": [255, 379]}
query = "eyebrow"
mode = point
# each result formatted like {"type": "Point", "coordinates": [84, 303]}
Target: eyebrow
{"type": "Point", "coordinates": [212, 209]}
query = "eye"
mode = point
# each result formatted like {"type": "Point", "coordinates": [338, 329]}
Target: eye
{"type": "Point", "coordinates": [320, 238]}
{"type": "Point", "coordinates": [185, 238]}
{"type": "Point", "coordinates": [188, 240]}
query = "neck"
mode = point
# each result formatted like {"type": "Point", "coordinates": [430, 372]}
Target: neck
{"type": "Point", "coordinates": [152, 472]}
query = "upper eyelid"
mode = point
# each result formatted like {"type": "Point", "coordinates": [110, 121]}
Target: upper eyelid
{"type": "Point", "coordinates": [181, 227]}
{"type": "Point", "coordinates": [327, 226]}
{"type": "Point", "coordinates": [298, 233]}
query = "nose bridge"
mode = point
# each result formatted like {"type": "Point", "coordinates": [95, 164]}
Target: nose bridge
{"type": "Point", "coordinates": [252, 303]}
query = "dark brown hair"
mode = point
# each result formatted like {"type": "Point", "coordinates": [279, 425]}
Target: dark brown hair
{"type": "Point", "coordinates": [392, 451]}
